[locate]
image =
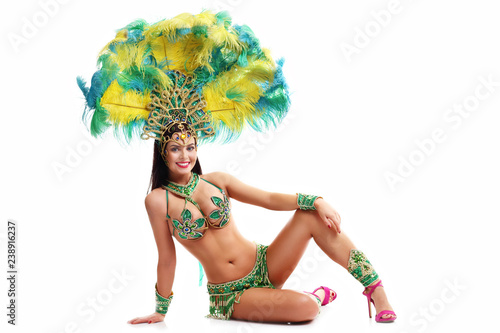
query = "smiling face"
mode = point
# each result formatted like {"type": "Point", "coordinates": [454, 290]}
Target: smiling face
{"type": "Point", "coordinates": [181, 154]}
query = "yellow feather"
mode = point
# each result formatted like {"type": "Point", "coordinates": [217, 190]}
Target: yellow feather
{"type": "Point", "coordinates": [121, 36]}
{"type": "Point", "coordinates": [125, 107]}
{"type": "Point", "coordinates": [164, 80]}
{"type": "Point", "coordinates": [181, 55]}
{"type": "Point", "coordinates": [220, 36]}
{"type": "Point", "coordinates": [168, 27]}
{"type": "Point", "coordinates": [128, 55]}
{"type": "Point", "coordinates": [204, 18]}
{"type": "Point", "coordinates": [267, 53]}
{"type": "Point", "coordinates": [204, 54]}
{"type": "Point", "coordinates": [188, 52]}
{"type": "Point", "coordinates": [234, 113]}
{"type": "Point", "coordinates": [239, 80]}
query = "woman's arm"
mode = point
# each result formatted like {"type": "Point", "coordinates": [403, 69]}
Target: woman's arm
{"type": "Point", "coordinates": [240, 191]}
{"type": "Point", "coordinates": [274, 201]}
{"type": "Point", "coordinates": [155, 206]}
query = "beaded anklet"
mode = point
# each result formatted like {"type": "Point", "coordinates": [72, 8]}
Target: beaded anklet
{"type": "Point", "coordinates": [360, 268]}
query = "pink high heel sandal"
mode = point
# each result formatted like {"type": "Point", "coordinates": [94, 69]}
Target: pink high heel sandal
{"type": "Point", "coordinates": [378, 318]}
{"type": "Point", "coordinates": [328, 294]}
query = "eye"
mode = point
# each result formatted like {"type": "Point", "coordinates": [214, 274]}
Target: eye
{"type": "Point", "coordinates": [191, 148]}
{"type": "Point", "coordinates": [174, 149]}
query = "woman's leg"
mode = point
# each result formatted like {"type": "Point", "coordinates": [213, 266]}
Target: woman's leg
{"type": "Point", "coordinates": [286, 250]}
{"type": "Point", "coordinates": [275, 305]}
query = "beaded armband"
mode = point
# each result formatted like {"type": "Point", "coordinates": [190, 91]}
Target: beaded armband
{"type": "Point", "coordinates": [306, 201]}
{"type": "Point", "coordinates": [360, 268]}
{"type": "Point", "coordinates": [162, 303]}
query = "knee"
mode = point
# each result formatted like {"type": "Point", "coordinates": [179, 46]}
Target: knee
{"type": "Point", "coordinates": [306, 216]}
{"type": "Point", "coordinates": [307, 309]}
{"type": "Point", "coordinates": [310, 220]}
{"type": "Point", "coordinates": [305, 213]}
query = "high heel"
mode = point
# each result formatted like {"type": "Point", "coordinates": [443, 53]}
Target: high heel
{"type": "Point", "coordinates": [378, 318]}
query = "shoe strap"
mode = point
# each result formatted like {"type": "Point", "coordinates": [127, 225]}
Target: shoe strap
{"type": "Point", "coordinates": [378, 317]}
{"type": "Point", "coordinates": [328, 294]}
{"type": "Point", "coordinates": [317, 297]}
{"type": "Point", "coordinates": [370, 289]}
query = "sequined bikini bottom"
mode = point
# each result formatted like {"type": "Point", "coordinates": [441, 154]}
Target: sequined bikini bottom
{"type": "Point", "coordinates": [224, 295]}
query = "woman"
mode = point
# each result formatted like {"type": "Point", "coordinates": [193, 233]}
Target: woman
{"type": "Point", "coordinates": [226, 255]}
{"type": "Point", "coordinates": [195, 77]}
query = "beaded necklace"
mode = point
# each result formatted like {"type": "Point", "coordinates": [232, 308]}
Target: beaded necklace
{"type": "Point", "coordinates": [187, 190]}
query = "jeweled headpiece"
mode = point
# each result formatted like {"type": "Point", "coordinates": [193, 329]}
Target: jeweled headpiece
{"type": "Point", "coordinates": [176, 114]}
{"type": "Point", "coordinates": [193, 75]}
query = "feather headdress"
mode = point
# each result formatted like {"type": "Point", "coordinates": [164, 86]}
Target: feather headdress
{"type": "Point", "coordinates": [197, 70]}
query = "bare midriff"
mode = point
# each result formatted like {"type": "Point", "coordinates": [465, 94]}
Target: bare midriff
{"type": "Point", "coordinates": [224, 253]}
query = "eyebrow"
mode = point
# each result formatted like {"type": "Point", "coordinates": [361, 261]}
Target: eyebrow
{"type": "Point", "coordinates": [177, 146]}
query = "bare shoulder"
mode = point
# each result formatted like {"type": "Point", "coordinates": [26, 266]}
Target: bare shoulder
{"type": "Point", "coordinates": [155, 199]}
{"type": "Point", "coordinates": [219, 178]}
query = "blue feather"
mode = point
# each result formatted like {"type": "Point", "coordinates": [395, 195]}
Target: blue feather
{"type": "Point", "coordinates": [83, 86]}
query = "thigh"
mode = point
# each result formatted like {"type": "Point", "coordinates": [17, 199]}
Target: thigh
{"type": "Point", "coordinates": [284, 253]}
{"type": "Point", "coordinates": [275, 305]}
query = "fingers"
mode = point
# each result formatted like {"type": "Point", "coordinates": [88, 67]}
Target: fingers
{"type": "Point", "coordinates": [147, 319]}
{"type": "Point", "coordinates": [139, 320]}
{"type": "Point", "coordinates": [136, 321]}
{"type": "Point", "coordinates": [331, 218]}
{"type": "Point", "coordinates": [335, 223]}
{"type": "Point", "coordinates": [337, 226]}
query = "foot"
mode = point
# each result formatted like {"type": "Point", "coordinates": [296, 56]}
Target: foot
{"type": "Point", "coordinates": [321, 294]}
{"type": "Point", "coordinates": [381, 303]}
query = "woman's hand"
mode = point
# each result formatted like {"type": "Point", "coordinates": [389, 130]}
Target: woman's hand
{"type": "Point", "coordinates": [329, 215]}
{"type": "Point", "coordinates": [154, 318]}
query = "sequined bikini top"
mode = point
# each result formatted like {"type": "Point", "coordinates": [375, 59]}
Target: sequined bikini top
{"type": "Point", "coordinates": [186, 227]}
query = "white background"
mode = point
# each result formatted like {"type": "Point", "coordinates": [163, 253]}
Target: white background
{"type": "Point", "coordinates": [78, 202]}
